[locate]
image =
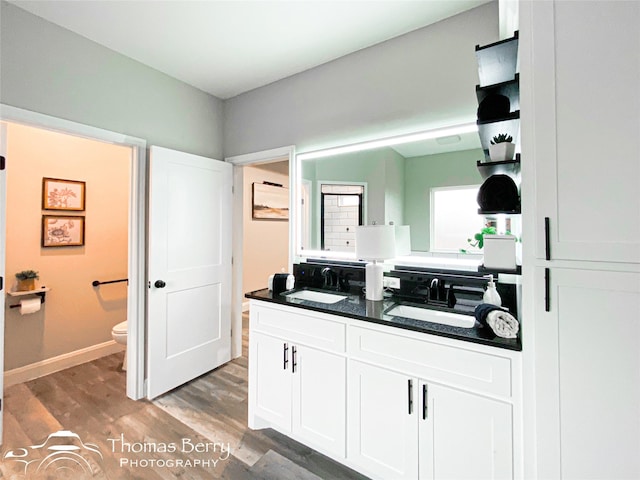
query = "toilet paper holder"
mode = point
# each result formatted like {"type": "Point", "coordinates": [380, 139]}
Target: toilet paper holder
{"type": "Point", "coordinates": [40, 292]}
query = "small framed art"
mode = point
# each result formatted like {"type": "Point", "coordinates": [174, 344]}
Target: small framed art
{"type": "Point", "coordinates": [58, 194]}
{"type": "Point", "coordinates": [62, 231]}
{"type": "Point", "coordinates": [270, 202]}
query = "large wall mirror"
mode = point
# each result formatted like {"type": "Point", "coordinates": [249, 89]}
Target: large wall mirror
{"type": "Point", "coordinates": [427, 181]}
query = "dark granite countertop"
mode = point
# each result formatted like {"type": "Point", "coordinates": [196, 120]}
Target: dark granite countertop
{"type": "Point", "coordinates": [356, 306]}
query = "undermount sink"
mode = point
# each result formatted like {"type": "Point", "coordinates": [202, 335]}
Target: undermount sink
{"type": "Point", "coordinates": [433, 316]}
{"type": "Point", "coordinates": [314, 296]}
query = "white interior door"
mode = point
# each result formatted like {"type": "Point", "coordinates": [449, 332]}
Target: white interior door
{"type": "Point", "coordinates": [3, 202]}
{"type": "Point", "coordinates": [189, 268]}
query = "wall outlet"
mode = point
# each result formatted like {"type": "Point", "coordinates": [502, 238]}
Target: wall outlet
{"type": "Point", "coordinates": [391, 282]}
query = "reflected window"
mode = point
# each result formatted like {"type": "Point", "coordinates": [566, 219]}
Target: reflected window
{"type": "Point", "coordinates": [341, 212]}
{"type": "Point", "coordinates": [454, 217]}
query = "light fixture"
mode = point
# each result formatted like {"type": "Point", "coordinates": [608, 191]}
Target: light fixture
{"type": "Point", "coordinates": [448, 140]}
{"type": "Point", "coordinates": [375, 243]}
{"type": "Point", "coordinates": [389, 141]}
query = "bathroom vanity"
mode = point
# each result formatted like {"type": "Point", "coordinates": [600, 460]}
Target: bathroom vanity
{"type": "Point", "coordinates": [388, 396]}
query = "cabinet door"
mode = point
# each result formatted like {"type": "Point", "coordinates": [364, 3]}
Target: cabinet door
{"type": "Point", "coordinates": [382, 422]}
{"type": "Point", "coordinates": [319, 408]}
{"type": "Point", "coordinates": [464, 436]}
{"type": "Point", "coordinates": [588, 374]}
{"type": "Point", "coordinates": [583, 126]}
{"type": "Point", "coordinates": [270, 381]}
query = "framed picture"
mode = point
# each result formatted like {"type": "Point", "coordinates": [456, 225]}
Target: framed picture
{"type": "Point", "coordinates": [58, 194]}
{"type": "Point", "coordinates": [62, 231]}
{"type": "Point", "coordinates": [270, 202]}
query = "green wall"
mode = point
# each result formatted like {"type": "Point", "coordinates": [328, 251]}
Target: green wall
{"type": "Point", "coordinates": [398, 188]}
{"type": "Point", "coordinates": [383, 172]}
{"type": "Point", "coordinates": [424, 173]}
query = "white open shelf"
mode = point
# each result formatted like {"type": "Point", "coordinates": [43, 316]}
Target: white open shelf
{"type": "Point", "coordinates": [29, 292]}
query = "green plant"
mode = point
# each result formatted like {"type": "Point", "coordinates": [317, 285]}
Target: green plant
{"type": "Point", "coordinates": [501, 138]}
{"type": "Point", "coordinates": [478, 238]}
{"type": "Point", "coordinates": [25, 274]}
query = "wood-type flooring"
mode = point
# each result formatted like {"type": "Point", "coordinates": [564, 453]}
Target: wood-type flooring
{"type": "Point", "coordinates": [197, 431]}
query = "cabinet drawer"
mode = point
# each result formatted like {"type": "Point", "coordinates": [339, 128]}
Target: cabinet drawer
{"type": "Point", "coordinates": [299, 327]}
{"type": "Point", "coordinates": [441, 363]}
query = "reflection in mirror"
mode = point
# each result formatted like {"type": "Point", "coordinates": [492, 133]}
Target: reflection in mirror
{"type": "Point", "coordinates": [398, 183]}
{"type": "Point", "coordinates": [341, 210]}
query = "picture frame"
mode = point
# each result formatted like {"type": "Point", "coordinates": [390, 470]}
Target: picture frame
{"type": "Point", "coordinates": [63, 231]}
{"type": "Point", "coordinates": [270, 201]}
{"type": "Point", "coordinates": [60, 194]}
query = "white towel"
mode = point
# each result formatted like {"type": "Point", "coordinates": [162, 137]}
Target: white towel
{"type": "Point", "coordinates": [503, 324]}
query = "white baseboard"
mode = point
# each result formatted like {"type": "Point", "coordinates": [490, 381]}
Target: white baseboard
{"type": "Point", "coordinates": [55, 364]}
{"type": "Point", "coordinates": [245, 306]}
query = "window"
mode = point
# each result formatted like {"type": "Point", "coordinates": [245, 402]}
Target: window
{"type": "Point", "coordinates": [341, 211]}
{"type": "Point", "coordinates": [454, 217]}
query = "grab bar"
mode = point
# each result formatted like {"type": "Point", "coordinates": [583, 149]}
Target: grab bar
{"type": "Point", "coordinates": [95, 283]}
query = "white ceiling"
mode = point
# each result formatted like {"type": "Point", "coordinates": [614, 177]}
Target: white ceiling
{"type": "Point", "coordinates": [229, 47]}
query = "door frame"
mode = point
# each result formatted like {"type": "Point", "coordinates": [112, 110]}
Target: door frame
{"type": "Point", "coordinates": [238, 162]}
{"type": "Point", "coordinates": [136, 292]}
{"type": "Point", "coordinates": [3, 198]}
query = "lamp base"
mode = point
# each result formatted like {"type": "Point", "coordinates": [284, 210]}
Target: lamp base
{"type": "Point", "coordinates": [374, 281]}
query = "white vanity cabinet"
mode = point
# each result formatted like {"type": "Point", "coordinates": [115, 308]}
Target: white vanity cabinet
{"type": "Point", "coordinates": [588, 374]}
{"type": "Point", "coordinates": [581, 276]}
{"type": "Point", "coordinates": [578, 95]}
{"type": "Point", "coordinates": [383, 435]}
{"type": "Point", "coordinates": [418, 409]}
{"type": "Point", "coordinates": [388, 402]}
{"type": "Point", "coordinates": [297, 376]}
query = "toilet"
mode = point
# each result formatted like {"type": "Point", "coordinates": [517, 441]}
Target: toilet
{"type": "Point", "coordinates": [119, 334]}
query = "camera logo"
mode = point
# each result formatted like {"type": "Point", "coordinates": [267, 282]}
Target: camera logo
{"type": "Point", "coordinates": [63, 455]}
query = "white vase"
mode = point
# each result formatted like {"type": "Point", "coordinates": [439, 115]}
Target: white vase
{"type": "Point", "coordinates": [500, 152]}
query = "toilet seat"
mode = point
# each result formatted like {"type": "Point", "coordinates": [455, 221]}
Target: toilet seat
{"type": "Point", "coordinates": [120, 328]}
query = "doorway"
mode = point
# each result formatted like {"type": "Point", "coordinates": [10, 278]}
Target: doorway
{"type": "Point", "coordinates": [67, 208]}
{"type": "Point", "coordinates": [135, 238]}
{"type": "Point", "coordinates": [249, 244]}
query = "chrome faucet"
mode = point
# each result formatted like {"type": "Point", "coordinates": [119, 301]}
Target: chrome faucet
{"type": "Point", "coordinates": [330, 279]}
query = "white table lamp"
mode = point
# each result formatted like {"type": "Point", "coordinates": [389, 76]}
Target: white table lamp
{"type": "Point", "coordinates": [375, 243]}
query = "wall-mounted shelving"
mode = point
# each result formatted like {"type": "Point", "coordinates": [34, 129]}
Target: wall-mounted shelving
{"type": "Point", "coordinates": [39, 292]}
{"type": "Point", "coordinates": [498, 212]}
{"type": "Point", "coordinates": [509, 88]}
{"type": "Point", "coordinates": [498, 61]}
{"type": "Point", "coordinates": [498, 97]}
{"type": "Point", "coordinates": [487, 129]}
{"type": "Point", "coordinates": [505, 167]}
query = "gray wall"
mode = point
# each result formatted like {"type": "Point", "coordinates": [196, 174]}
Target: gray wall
{"type": "Point", "coordinates": [50, 70]}
{"type": "Point", "coordinates": [415, 81]}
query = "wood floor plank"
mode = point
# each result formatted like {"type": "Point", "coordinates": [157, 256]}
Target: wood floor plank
{"type": "Point", "coordinates": [34, 418]}
{"type": "Point", "coordinates": [273, 466]}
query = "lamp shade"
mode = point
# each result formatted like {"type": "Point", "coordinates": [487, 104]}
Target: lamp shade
{"type": "Point", "coordinates": [375, 242]}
